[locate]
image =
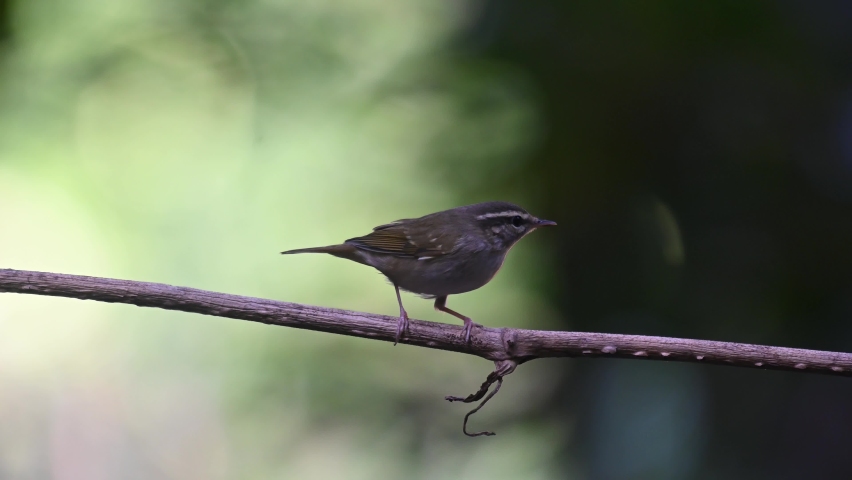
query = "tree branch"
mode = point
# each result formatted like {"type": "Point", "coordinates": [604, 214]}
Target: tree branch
{"type": "Point", "coordinates": [497, 344]}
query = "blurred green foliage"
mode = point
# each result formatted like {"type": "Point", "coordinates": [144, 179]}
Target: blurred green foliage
{"type": "Point", "coordinates": [188, 143]}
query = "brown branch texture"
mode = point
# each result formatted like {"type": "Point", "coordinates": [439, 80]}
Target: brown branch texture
{"type": "Point", "coordinates": [507, 347]}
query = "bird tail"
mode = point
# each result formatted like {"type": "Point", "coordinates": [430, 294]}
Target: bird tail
{"type": "Point", "coordinates": [343, 251]}
{"type": "Point", "coordinates": [309, 250]}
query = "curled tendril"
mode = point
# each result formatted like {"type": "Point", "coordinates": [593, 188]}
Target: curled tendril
{"type": "Point", "coordinates": [502, 369]}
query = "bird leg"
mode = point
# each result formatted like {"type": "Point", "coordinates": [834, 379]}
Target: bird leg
{"type": "Point", "coordinates": [441, 304]}
{"type": "Point", "coordinates": [402, 325]}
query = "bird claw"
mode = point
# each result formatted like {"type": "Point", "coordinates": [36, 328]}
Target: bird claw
{"type": "Point", "coordinates": [468, 326]}
{"type": "Point", "coordinates": [401, 327]}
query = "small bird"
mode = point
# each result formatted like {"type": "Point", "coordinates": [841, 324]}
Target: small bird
{"type": "Point", "coordinates": [440, 254]}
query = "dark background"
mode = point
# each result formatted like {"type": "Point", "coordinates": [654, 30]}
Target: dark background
{"type": "Point", "coordinates": [738, 117]}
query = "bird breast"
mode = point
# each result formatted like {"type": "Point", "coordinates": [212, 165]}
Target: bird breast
{"type": "Point", "coordinates": [443, 275]}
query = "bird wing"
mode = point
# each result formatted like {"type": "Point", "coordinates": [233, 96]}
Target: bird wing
{"type": "Point", "coordinates": [407, 238]}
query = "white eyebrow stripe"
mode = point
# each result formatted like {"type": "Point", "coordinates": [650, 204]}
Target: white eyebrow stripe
{"type": "Point", "coordinates": [507, 213]}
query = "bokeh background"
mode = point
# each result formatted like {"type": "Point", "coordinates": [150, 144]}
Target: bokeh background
{"type": "Point", "coordinates": [697, 156]}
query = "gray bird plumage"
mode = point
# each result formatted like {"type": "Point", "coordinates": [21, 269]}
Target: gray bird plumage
{"type": "Point", "coordinates": [440, 254]}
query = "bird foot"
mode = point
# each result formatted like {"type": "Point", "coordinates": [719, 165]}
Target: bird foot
{"type": "Point", "coordinates": [468, 326]}
{"type": "Point", "coordinates": [401, 327]}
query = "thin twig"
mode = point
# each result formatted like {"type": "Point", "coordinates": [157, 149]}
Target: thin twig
{"type": "Point", "coordinates": [483, 389]}
{"type": "Point", "coordinates": [497, 344]}
{"type": "Point", "coordinates": [502, 369]}
{"type": "Point", "coordinates": [484, 432]}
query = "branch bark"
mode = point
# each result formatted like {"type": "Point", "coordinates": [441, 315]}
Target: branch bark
{"type": "Point", "coordinates": [501, 345]}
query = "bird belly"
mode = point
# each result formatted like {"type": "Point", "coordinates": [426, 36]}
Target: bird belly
{"type": "Point", "coordinates": [440, 276]}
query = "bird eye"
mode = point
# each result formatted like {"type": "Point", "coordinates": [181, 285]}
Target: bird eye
{"type": "Point", "coordinates": [517, 221]}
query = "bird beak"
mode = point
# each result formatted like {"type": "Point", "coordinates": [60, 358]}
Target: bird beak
{"type": "Point", "coordinates": [545, 223]}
